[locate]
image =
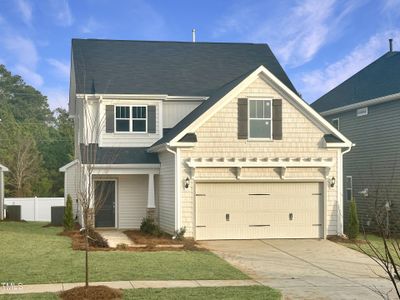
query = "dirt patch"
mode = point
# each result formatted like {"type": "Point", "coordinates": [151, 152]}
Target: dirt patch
{"type": "Point", "coordinates": [100, 292]}
{"type": "Point", "coordinates": [165, 240]}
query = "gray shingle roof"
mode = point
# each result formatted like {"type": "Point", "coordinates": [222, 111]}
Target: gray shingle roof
{"type": "Point", "coordinates": [330, 138]}
{"type": "Point", "coordinates": [173, 68]}
{"type": "Point", "coordinates": [380, 78]}
{"type": "Point", "coordinates": [116, 155]}
{"type": "Point", "coordinates": [199, 110]}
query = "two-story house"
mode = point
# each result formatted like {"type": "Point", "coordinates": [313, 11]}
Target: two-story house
{"type": "Point", "coordinates": [366, 109]}
{"type": "Point", "coordinates": [208, 136]}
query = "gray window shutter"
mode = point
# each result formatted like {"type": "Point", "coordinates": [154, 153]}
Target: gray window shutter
{"type": "Point", "coordinates": [277, 119]}
{"type": "Point", "coordinates": [151, 119]}
{"type": "Point", "coordinates": [242, 119]}
{"type": "Point", "coordinates": [110, 118]}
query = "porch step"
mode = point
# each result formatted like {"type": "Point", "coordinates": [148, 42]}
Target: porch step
{"type": "Point", "coordinates": [115, 237]}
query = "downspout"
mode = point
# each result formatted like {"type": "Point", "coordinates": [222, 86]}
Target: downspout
{"type": "Point", "coordinates": [340, 192]}
{"type": "Point", "coordinates": [177, 178]}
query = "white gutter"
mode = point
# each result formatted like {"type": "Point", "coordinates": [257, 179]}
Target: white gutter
{"type": "Point", "coordinates": [361, 104]}
{"type": "Point", "coordinates": [177, 180]}
{"type": "Point", "coordinates": [339, 209]}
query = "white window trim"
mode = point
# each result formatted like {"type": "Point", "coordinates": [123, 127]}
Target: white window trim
{"type": "Point", "coordinates": [131, 118]}
{"type": "Point", "coordinates": [338, 123]}
{"type": "Point", "coordinates": [363, 111]}
{"type": "Point", "coordinates": [248, 119]}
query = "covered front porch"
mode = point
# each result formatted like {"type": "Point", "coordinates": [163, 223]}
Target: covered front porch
{"type": "Point", "coordinates": [124, 195]}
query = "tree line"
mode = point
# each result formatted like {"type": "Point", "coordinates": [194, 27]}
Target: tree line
{"type": "Point", "coordinates": [34, 141]}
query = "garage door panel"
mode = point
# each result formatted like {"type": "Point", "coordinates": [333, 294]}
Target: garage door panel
{"type": "Point", "coordinates": [258, 210]}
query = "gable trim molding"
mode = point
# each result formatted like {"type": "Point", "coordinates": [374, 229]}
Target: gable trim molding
{"type": "Point", "coordinates": [361, 104]}
{"type": "Point", "coordinates": [261, 71]}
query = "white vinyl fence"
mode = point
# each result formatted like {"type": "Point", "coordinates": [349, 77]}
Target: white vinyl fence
{"type": "Point", "coordinates": [35, 208]}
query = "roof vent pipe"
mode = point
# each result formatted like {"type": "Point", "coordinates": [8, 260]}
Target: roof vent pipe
{"type": "Point", "coordinates": [391, 45]}
{"type": "Point", "coordinates": [194, 35]}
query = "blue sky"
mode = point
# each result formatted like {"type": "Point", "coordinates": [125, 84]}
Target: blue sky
{"type": "Point", "coordinates": [320, 43]}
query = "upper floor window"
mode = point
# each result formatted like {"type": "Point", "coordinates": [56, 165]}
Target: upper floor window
{"type": "Point", "coordinates": [335, 123]}
{"type": "Point", "coordinates": [362, 111]}
{"type": "Point", "coordinates": [131, 118]}
{"type": "Point", "coordinates": [260, 119]}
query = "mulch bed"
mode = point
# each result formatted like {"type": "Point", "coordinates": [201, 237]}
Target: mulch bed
{"type": "Point", "coordinates": [100, 292]}
{"type": "Point", "coordinates": [150, 242]}
{"type": "Point", "coordinates": [165, 240]}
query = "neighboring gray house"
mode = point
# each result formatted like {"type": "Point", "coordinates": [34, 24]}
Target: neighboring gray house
{"type": "Point", "coordinates": [2, 170]}
{"type": "Point", "coordinates": [366, 109]}
{"type": "Point", "coordinates": [209, 136]}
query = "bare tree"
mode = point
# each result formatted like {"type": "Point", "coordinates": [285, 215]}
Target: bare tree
{"type": "Point", "coordinates": [90, 198]}
{"type": "Point", "coordinates": [26, 163]}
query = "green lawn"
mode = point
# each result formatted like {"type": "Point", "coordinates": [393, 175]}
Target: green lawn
{"type": "Point", "coordinates": [232, 293]}
{"type": "Point", "coordinates": [31, 254]}
{"type": "Point", "coordinates": [375, 240]}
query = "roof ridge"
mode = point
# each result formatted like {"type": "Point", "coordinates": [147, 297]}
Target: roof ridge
{"type": "Point", "coordinates": [166, 42]}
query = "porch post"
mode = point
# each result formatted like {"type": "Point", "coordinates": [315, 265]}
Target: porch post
{"type": "Point", "coordinates": [150, 195]}
{"type": "Point", "coordinates": [151, 203]}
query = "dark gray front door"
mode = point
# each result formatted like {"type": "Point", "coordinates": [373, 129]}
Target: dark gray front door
{"type": "Point", "coordinates": [105, 203]}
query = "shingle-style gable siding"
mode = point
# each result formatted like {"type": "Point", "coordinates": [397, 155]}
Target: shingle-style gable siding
{"type": "Point", "coordinates": [376, 157]}
{"type": "Point", "coordinates": [218, 137]}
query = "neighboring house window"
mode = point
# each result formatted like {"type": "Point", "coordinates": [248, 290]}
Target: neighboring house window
{"type": "Point", "coordinates": [260, 119]}
{"type": "Point", "coordinates": [335, 123]}
{"type": "Point", "coordinates": [362, 111]}
{"type": "Point", "coordinates": [349, 188]}
{"type": "Point", "coordinates": [131, 118]}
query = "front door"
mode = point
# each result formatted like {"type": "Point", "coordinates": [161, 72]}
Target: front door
{"type": "Point", "coordinates": [105, 203]}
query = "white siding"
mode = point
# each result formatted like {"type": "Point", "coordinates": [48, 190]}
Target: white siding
{"type": "Point", "coordinates": [132, 200]}
{"type": "Point", "coordinates": [173, 111]}
{"type": "Point", "coordinates": [167, 192]}
{"type": "Point", "coordinates": [217, 137]}
{"type": "Point", "coordinates": [71, 187]}
{"type": "Point", "coordinates": [130, 139]}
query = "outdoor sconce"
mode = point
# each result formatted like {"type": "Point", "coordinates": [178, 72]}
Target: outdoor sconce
{"type": "Point", "coordinates": [187, 181]}
{"type": "Point", "coordinates": [332, 181]}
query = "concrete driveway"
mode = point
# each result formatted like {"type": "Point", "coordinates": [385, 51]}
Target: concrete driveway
{"type": "Point", "coordinates": [306, 269]}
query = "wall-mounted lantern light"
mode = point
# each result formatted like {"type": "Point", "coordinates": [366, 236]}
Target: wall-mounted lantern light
{"type": "Point", "coordinates": [187, 182]}
{"type": "Point", "coordinates": [332, 181]}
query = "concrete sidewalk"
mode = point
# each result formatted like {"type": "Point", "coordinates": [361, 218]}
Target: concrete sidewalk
{"type": "Point", "coordinates": [59, 287]}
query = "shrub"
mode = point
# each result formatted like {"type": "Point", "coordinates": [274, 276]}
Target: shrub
{"type": "Point", "coordinates": [179, 234]}
{"type": "Point", "coordinates": [354, 224]}
{"type": "Point", "coordinates": [68, 215]}
{"type": "Point", "coordinates": [149, 226]}
{"type": "Point", "coordinates": [95, 239]}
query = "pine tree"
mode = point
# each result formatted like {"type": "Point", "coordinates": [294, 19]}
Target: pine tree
{"type": "Point", "coordinates": [68, 215]}
{"type": "Point", "coordinates": [354, 224]}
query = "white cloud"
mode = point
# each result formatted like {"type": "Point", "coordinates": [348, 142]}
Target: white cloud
{"type": "Point", "coordinates": [389, 5]}
{"type": "Point", "coordinates": [319, 81]}
{"type": "Point", "coordinates": [23, 48]}
{"type": "Point", "coordinates": [29, 75]}
{"type": "Point", "coordinates": [91, 26]}
{"type": "Point", "coordinates": [57, 96]}
{"type": "Point", "coordinates": [62, 68]}
{"type": "Point", "coordinates": [295, 33]}
{"type": "Point", "coordinates": [25, 8]}
{"type": "Point", "coordinates": [61, 12]}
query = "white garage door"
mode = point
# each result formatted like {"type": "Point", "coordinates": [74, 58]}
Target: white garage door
{"type": "Point", "coordinates": [259, 210]}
